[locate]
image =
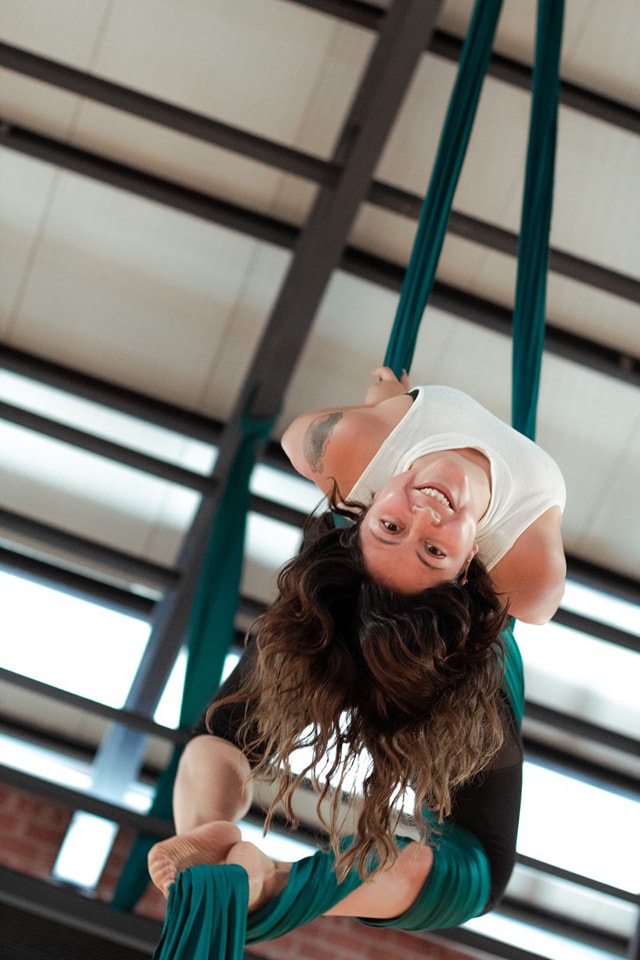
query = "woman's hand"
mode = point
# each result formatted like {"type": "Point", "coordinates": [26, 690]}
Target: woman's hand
{"type": "Point", "coordinates": [386, 386]}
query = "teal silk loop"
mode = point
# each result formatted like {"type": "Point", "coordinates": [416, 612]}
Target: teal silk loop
{"type": "Point", "coordinates": [209, 635]}
{"type": "Point", "coordinates": [206, 915]}
{"type": "Point", "coordinates": [436, 207]}
{"type": "Point", "coordinates": [312, 889]}
{"type": "Point", "coordinates": [457, 888]}
{"type": "Point", "coordinates": [513, 672]}
{"type": "Point", "coordinates": [533, 249]}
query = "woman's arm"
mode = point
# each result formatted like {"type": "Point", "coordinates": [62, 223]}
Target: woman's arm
{"type": "Point", "coordinates": [337, 443]}
{"type": "Point", "coordinates": [532, 574]}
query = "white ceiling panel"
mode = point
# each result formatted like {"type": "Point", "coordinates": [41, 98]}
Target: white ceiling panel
{"type": "Point", "coordinates": [26, 187]}
{"type": "Point", "coordinates": [145, 299]}
{"type": "Point", "coordinates": [599, 47]}
{"type": "Point", "coordinates": [273, 68]}
{"type": "Point", "coordinates": [45, 27]}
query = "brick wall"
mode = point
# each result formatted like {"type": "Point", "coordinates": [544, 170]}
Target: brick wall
{"type": "Point", "coordinates": [31, 831]}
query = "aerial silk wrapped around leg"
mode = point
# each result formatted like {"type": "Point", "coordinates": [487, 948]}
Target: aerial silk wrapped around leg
{"type": "Point", "coordinates": [459, 881]}
{"type": "Point", "coordinates": [456, 889]}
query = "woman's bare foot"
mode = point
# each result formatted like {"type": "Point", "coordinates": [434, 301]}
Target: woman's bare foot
{"type": "Point", "coordinates": [209, 843]}
{"type": "Point", "coordinates": [267, 878]}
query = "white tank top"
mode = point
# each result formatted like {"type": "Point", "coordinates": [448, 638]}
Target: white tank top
{"type": "Point", "coordinates": [525, 481]}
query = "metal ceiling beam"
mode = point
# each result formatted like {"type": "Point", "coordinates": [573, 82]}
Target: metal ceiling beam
{"type": "Point", "coordinates": [570, 346]}
{"type": "Point", "coordinates": [500, 67]}
{"type": "Point", "coordinates": [188, 423]}
{"type": "Point", "coordinates": [109, 449]}
{"type": "Point", "coordinates": [166, 114]}
{"type": "Point", "coordinates": [116, 714]}
{"type": "Point", "coordinates": [593, 104]}
{"type": "Point", "coordinates": [43, 899]}
{"type": "Point", "coordinates": [172, 417]}
{"type": "Point", "coordinates": [504, 241]}
{"type": "Point", "coordinates": [76, 584]}
{"type": "Point", "coordinates": [562, 343]}
{"type": "Point", "coordinates": [117, 561]}
{"type": "Point", "coordinates": [282, 157]}
{"type": "Point", "coordinates": [182, 120]}
{"type": "Point", "coordinates": [322, 239]}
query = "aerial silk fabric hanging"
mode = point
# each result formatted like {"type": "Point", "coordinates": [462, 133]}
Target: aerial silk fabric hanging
{"type": "Point", "coordinates": [205, 916]}
{"type": "Point", "coordinates": [209, 635]}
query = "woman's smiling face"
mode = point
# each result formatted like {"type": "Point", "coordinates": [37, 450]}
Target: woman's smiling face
{"type": "Point", "coordinates": [420, 529]}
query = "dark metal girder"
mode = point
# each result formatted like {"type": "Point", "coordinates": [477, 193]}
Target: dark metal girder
{"type": "Point", "coordinates": [492, 316]}
{"type": "Point", "coordinates": [582, 728]}
{"type": "Point", "coordinates": [77, 800]}
{"type": "Point", "coordinates": [160, 412]}
{"type": "Point", "coordinates": [609, 776]}
{"type": "Point", "coordinates": [594, 628]}
{"type": "Point", "coordinates": [148, 186]}
{"type": "Point", "coordinates": [322, 239]}
{"type": "Point", "coordinates": [503, 950]}
{"type": "Point", "coordinates": [591, 575]}
{"type": "Point", "coordinates": [551, 870]}
{"type": "Point", "coordinates": [502, 68]}
{"type": "Point", "coordinates": [284, 158]}
{"type": "Point", "coordinates": [115, 452]}
{"type": "Point", "coordinates": [116, 714]}
{"type": "Point", "coordinates": [504, 241]}
{"type": "Point", "coordinates": [577, 98]}
{"type": "Point", "coordinates": [41, 898]}
{"type": "Point", "coordinates": [118, 561]}
{"type": "Point", "coordinates": [570, 346]}
{"type": "Point", "coordinates": [570, 928]}
{"type": "Point", "coordinates": [166, 114]}
{"type": "Point", "coordinates": [40, 571]}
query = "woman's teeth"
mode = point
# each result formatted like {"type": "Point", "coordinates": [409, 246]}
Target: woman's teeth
{"type": "Point", "coordinates": [437, 495]}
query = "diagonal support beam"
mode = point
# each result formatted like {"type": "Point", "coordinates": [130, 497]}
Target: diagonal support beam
{"type": "Point", "coordinates": [404, 34]}
{"type": "Point", "coordinates": [320, 244]}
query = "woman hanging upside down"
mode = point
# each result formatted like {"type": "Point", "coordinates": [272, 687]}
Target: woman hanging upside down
{"type": "Point", "coordinates": [388, 643]}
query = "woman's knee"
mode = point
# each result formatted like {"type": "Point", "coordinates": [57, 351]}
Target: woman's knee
{"type": "Point", "coordinates": [414, 864]}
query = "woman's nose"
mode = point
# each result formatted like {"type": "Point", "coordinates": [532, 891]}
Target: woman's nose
{"type": "Point", "coordinates": [428, 508]}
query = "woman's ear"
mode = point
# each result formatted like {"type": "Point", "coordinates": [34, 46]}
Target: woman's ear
{"type": "Point", "coordinates": [464, 573]}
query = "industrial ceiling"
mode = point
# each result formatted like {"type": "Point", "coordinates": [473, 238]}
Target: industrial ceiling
{"type": "Point", "coordinates": [208, 206]}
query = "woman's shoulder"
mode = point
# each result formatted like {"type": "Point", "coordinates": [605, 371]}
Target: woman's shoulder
{"type": "Point", "coordinates": [337, 445]}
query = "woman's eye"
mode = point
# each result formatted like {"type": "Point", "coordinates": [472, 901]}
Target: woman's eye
{"type": "Point", "coordinates": [390, 526]}
{"type": "Point", "coordinates": [434, 551]}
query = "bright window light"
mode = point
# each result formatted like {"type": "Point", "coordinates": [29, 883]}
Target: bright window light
{"type": "Point", "coordinates": [588, 678]}
{"type": "Point", "coordinates": [69, 643]}
{"type": "Point", "coordinates": [168, 710]}
{"type": "Point", "coordinates": [85, 850]}
{"type": "Point", "coordinates": [271, 542]}
{"type": "Point", "coordinates": [551, 946]}
{"type": "Point", "coordinates": [558, 814]}
{"type": "Point", "coordinates": [289, 489]}
{"type": "Point", "coordinates": [66, 771]}
{"type": "Point", "coordinates": [105, 422]}
{"type": "Point", "coordinates": [602, 607]}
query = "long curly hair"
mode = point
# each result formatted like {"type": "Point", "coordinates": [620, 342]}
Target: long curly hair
{"type": "Point", "coordinates": [349, 672]}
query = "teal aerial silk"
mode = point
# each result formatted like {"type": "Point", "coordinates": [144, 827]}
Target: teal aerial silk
{"type": "Point", "coordinates": [436, 208]}
{"type": "Point", "coordinates": [209, 635]}
{"type": "Point", "coordinates": [533, 248]}
{"type": "Point", "coordinates": [458, 884]}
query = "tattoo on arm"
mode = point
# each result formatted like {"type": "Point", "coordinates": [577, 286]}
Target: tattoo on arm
{"type": "Point", "coordinates": [315, 440]}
